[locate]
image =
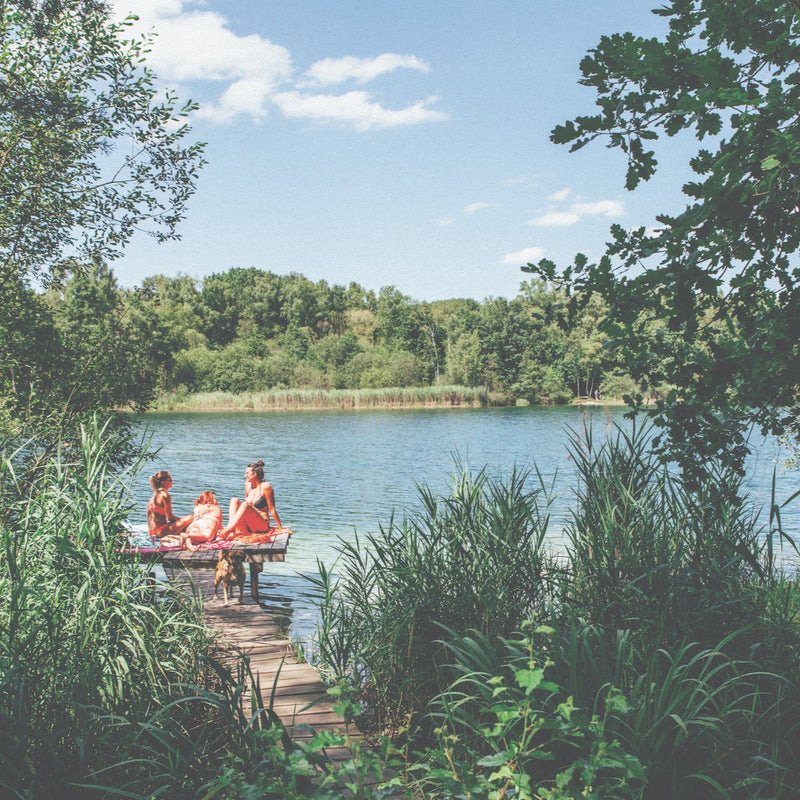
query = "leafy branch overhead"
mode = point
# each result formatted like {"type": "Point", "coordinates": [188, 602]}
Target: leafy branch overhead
{"type": "Point", "coordinates": [720, 278]}
{"type": "Point", "coordinates": [91, 149]}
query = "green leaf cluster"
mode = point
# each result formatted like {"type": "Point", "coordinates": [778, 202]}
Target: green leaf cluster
{"type": "Point", "coordinates": [723, 274]}
{"type": "Point", "coordinates": [91, 152]}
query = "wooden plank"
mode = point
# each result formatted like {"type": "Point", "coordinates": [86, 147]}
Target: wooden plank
{"type": "Point", "coordinates": [300, 698]}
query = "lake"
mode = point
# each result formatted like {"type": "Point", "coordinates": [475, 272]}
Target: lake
{"type": "Point", "coordinates": [338, 473]}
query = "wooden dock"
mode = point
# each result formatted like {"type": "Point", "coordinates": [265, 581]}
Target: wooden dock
{"type": "Point", "coordinates": [300, 698]}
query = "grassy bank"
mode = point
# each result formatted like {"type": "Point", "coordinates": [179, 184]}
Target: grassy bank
{"type": "Point", "coordinates": [331, 399]}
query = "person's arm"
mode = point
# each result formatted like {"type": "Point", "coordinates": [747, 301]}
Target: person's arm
{"type": "Point", "coordinates": [269, 495]}
{"type": "Point", "coordinates": [166, 504]}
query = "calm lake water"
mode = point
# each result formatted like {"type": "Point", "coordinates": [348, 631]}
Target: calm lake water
{"type": "Point", "coordinates": [336, 474]}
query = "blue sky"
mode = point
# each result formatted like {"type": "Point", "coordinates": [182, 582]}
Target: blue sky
{"type": "Point", "coordinates": [393, 143]}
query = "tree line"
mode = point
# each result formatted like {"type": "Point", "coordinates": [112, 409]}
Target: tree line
{"type": "Point", "coordinates": [247, 329]}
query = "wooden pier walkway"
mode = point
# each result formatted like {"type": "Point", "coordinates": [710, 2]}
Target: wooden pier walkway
{"type": "Point", "coordinates": [300, 698]}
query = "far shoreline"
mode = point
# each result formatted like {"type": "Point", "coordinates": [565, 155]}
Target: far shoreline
{"type": "Point", "coordinates": [407, 398]}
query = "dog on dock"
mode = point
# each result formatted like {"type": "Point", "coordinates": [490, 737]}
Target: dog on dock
{"type": "Point", "coordinates": [229, 573]}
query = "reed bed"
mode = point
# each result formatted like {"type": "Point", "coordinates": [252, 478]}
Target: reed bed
{"type": "Point", "coordinates": [659, 658]}
{"type": "Point", "coordinates": [329, 399]}
{"type": "Point", "coordinates": [108, 690]}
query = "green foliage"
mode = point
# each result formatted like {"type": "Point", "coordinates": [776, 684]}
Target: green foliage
{"type": "Point", "coordinates": [648, 550]}
{"type": "Point", "coordinates": [667, 667]}
{"type": "Point", "coordinates": [110, 684]}
{"type": "Point", "coordinates": [90, 152]}
{"type": "Point", "coordinates": [246, 330]}
{"type": "Point", "coordinates": [473, 559]}
{"type": "Point", "coordinates": [506, 730]}
{"type": "Point", "coordinates": [715, 312]}
{"type": "Point", "coordinates": [83, 643]}
{"type": "Point", "coordinates": [89, 155]}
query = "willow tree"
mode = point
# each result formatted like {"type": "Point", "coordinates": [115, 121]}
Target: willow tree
{"type": "Point", "coordinates": [709, 302]}
{"type": "Point", "coordinates": [91, 152]}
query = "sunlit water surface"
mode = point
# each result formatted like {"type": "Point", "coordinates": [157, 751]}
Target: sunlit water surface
{"type": "Point", "coordinates": [336, 474]}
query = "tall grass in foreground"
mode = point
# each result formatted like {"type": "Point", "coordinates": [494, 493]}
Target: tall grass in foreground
{"type": "Point", "coordinates": [328, 399]}
{"type": "Point", "coordinates": [659, 658]}
{"type": "Point", "coordinates": [107, 692]}
{"type": "Point", "coordinates": [474, 559]}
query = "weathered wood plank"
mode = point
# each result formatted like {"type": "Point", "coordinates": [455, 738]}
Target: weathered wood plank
{"type": "Point", "coordinates": [300, 697]}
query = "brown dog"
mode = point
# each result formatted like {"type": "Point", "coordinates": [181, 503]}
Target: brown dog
{"type": "Point", "coordinates": [229, 572]}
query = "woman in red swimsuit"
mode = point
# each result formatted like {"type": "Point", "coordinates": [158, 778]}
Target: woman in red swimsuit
{"type": "Point", "coordinates": [252, 515]}
{"type": "Point", "coordinates": [161, 522]}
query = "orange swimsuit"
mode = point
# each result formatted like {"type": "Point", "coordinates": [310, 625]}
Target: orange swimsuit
{"type": "Point", "coordinates": [161, 512]}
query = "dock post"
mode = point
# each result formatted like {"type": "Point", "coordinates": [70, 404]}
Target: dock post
{"type": "Point", "coordinates": [255, 569]}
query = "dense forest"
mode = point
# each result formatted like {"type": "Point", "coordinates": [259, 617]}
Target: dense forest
{"type": "Point", "coordinates": [250, 330]}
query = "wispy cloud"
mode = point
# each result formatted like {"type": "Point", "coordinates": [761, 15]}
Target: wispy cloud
{"type": "Point", "coordinates": [559, 196]}
{"type": "Point", "coordinates": [555, 219]}
{"type": "Point", "coordinates": [527, 255]}
{"type": "Point", "coordinates": [361, 70]}
{"type": "Point", "coordinates": [354, 108]}
{"type": "Point", "coordinates": [473, 207]}
{"type": "Point", "coordinates": [249, 75]}
{"type": "Point", "coordinates": [577, 211]}
{"type": "Point", "coordinates": [606, 208]}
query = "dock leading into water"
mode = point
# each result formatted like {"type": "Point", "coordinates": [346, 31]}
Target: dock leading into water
{"type": "Point", "coordinates": [300, 698]}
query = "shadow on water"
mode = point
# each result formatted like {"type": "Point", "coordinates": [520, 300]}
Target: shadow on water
{"type": "Point", "coordinates": [291, 603]}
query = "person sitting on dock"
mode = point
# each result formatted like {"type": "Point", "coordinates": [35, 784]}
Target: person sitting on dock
{"type": "Point", "coordinates": [253, 514]}
{"type": "Point", "coordinates": [206, 521]}
{"type": "Point", "coordinates": [161, 522]}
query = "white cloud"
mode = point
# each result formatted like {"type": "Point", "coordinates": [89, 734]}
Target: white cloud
{"type": "Point", "coordinates": [528, 255]}
{"type": "Point", "coordinates": [445, 223]}
{"type": "Point", "coordinates": [555, 219]}
{"type": "Point", "coordinates": [577, 211]}
{"type": "Point", "coordinates": [559, 196]}
{"type": "Point", "coordinates": [473, 207]}
{"type": "Point", "coordinates": [245, 96]}
{"type": "Point", "coordinates": [606, 208]}
{"type": "Point", "coordinates": [355, 108]}
{"type": "Point", "coordinates": [253, 74]}
{"type": "Point", "coordinates": [338, 70]}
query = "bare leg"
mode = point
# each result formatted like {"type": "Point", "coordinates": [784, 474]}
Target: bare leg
{"type": "Point", "coordinates": [245, 519]}
{"type": "Point", "coordinates": [172, 531]}
{"type": "Point", "coordinates": [233, 507]}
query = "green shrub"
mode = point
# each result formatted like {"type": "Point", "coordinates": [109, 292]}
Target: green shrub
{"type": "Point", "coordinates": [108, 691]}
{"type": "Point", "coordinates": [473, 559]}
{"type": "Point", "coordinates": [672, 646]}
{"type": "Point", "coordinates": [505, 729]}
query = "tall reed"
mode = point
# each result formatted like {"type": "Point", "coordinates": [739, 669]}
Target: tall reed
{"type": "Point", "coordinates": [472, 559]}
{"type": "Point", "coordinates": [329, 399]}
{"type": "Point", "coordinates": [646, 550]}
{"type": "Point", "coordinates": [670, 641]}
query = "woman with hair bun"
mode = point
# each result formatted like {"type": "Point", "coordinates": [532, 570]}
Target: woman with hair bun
{"type": "Point", "coordinates": [252, 515]}
{"type": "Point", "coordinates": [161, 522]}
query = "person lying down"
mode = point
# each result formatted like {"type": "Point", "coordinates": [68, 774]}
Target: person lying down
{"type": "Point", "coordinates": [206, 522]}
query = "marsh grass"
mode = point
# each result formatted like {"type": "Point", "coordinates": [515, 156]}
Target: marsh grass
{"type": "Point", "coordinates": [107, 691]}
{"type": "Point", "coordinates": [329, 399]}
{"type": "Point", "coordinates": [474, 559]}
{"type": "Point", "coordinates": [665, 637]}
